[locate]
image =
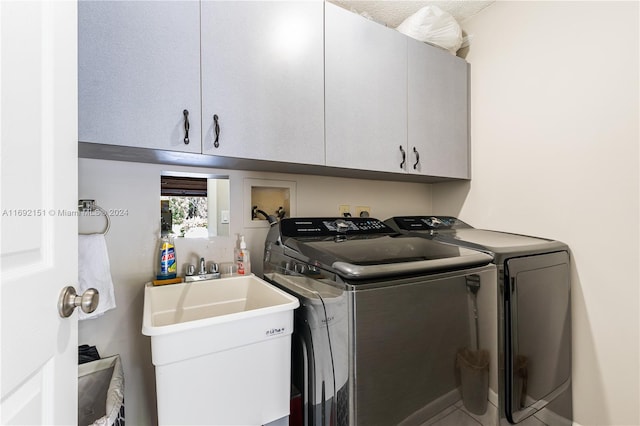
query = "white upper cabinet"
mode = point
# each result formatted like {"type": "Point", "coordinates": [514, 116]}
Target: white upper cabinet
{"type": "Point", "coordinates": [366, 93]}
{"type": "Point", "coordinates": [438, 112]}
{"type": "Point", "coordinates": [263, 80]}
{"type": "Point", "coordinates": [393, 104]}
{"type": "Point", "coordinates": [298, 82]}
{"type": "Point", "coordinates": [138, 71]}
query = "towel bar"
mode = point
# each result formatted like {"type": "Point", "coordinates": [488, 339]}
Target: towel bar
{"type": "Point", "coordinates": [91, 206]}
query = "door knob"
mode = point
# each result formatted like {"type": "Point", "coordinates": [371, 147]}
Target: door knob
{"type": "Point", "coordinates": [69, 300]}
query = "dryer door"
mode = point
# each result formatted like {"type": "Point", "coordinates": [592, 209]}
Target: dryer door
{"type": "Point", "coordinates": [538, 337]}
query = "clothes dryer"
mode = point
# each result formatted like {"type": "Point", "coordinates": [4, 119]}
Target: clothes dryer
{"type": "Point", "coordinates": [534, 318]}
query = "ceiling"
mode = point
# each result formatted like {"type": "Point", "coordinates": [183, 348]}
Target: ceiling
{"type": "Point", "coordinates": [393, 12]}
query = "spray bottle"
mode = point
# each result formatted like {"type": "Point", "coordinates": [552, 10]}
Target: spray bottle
{"type": "Point", "coordinates": [243, 260]}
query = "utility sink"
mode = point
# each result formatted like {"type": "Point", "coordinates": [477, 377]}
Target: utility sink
{"type": "Point", "coordinates": [221, 350]}
{"type": "Point", "coordinates": [171, 308]}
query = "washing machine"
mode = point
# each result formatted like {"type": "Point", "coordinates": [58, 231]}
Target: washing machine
{"type": "Point", "coordinates": [387, 323]}
{"type": "Point", "coordinates": [534, 317]}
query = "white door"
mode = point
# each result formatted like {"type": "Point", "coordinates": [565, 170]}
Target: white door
{"type": "Point", "coordinates": [39, 197]}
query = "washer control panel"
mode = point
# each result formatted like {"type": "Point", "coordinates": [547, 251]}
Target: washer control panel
{"type": "Point", "coordinates": [426, 223]}
{"type": "Point", "coordinates": [311, 227]}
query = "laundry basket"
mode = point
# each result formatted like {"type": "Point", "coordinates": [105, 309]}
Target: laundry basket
{"type": "Point", "coordinates": [101, 392]}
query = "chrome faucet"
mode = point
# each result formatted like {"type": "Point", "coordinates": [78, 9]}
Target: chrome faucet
{"type": "Point", "coordinates": [202, 274]}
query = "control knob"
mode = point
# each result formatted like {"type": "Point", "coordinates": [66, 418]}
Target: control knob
{"type": "Point", "coordinates": [341, 226]}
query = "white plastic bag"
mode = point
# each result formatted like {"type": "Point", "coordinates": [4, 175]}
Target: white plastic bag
{"type": "Point", "coordinates": [433, 25]}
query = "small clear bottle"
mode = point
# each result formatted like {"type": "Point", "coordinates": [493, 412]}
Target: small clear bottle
{"type": "Point", "coordinates": [243, 258]}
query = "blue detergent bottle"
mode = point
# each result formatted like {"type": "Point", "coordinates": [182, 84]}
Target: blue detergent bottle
{"type": "Point", "coordinates": [168, 266]}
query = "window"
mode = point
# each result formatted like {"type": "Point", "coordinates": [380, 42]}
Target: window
{"type": "Point", "coordinates": [194, 207]}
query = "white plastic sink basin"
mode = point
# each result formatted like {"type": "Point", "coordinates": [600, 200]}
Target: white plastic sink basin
{"type": "Point", "coordinates": [223, 299]}
{"type": "Point", "coordinates": [221, 350]}
{"type": "Point", "coordinates": [220, 308]}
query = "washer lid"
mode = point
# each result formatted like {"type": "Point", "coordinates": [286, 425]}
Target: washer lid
{"type": "Point", "coordinates": [372, 250]}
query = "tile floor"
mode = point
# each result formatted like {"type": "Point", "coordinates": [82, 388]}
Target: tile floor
{"type": "Point", "coordinates": [457, 415]}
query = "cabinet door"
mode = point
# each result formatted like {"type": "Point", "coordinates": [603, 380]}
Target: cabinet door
{"type": "Point", "coordinates": [138, 70]}
{"type": "Point", "coordinates": [263, 78]}
{"type": "Point", "coordinates": [438, 112]}
{"type": "Point", "coordinates": [366, 92]}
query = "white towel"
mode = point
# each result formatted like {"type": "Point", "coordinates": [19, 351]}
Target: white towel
{"type": "Point", "coordinates": [94, 272]}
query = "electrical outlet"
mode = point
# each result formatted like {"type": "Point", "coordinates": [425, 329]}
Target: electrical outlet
{"type": "Point", "coordinates": [344, 210]}
{"type": "Point", "coordinates": [363, 211]}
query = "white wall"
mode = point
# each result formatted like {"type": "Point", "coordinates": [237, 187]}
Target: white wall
{"type": "Point", "coordinates": [554, 135]}
{"type": "Point", "coordinates": [132, 245]}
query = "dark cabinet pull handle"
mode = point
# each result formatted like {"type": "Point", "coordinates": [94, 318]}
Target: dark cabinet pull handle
{"type": "Point", "coordinates": [415, 151]}
{"type": "Point", "coordinates": [216, 130]}
{"type": "Point", "coordinates": [186, 126]}
{"type": "Point", "coordinates": [404, 157]}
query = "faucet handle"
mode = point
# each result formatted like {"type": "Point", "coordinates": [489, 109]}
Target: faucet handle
{"type": "Point", "coordinates": [213, 268]}
{"type": "Point", "coordinates": [191, 270]}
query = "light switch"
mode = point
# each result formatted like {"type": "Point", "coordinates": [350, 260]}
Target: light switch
{"type": "Point", "coordinates": [224, 216]}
